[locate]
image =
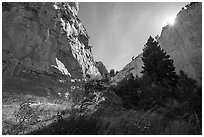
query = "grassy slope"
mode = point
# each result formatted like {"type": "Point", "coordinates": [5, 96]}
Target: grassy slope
{"type": "Point", "coordinates": [107, 120]}
{"type": "Point", "coordinates": [11, 104]}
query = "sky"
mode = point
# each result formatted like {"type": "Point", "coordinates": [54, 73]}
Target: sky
{"type": "Point", "coordinates": [119, 30]}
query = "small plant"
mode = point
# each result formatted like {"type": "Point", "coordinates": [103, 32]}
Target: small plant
{"type": "Point", "coordinates": [74, 125]}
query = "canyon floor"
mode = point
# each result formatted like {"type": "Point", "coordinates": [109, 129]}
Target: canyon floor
{"type": "Point", "coordinates": [45, 116]}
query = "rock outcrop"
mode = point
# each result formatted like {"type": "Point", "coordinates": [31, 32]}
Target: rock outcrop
{"type": "Point", "coordinates": [134, 67]}
{"type": "Point", "coordinates": [43, 43]}
{"type": "Point", "coordinates": [182, 41]}
{"type": "Point", "coordinates": [102, 69]}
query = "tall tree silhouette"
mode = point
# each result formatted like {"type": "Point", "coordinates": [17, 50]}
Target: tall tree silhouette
{"type": "Point", "coordinates": [157, 65]}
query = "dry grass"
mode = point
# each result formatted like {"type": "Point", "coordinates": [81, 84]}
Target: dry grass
{"type": "Point", "coordinates": [47, 111]}
{"type": "Point", "coordinates": [148, 123]}
{"type": "Point", "coordinates": [124, 123]}
{"type": "Point", "coordinates": [105, 121]}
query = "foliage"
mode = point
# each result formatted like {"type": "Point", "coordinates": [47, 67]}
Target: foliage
{"type": "Point", "coordinates": [139, 93]}
{"type": "Point", "coordinates": [75, 125]}
{"type": "Point", "coordinates": [151, 116]}
{"type": "Point", "coordinates": [151, 123]}
{"type": "Point", "coordinates": [128, 91]}
{"type": "Point", "coordinates": [189, 100]}
{"type": "Point", "coordinates": [96, 85]}
{"type": "Point", "coordinates": [157, 65]}
{"type": "Point", "coordinates": [87, 100]}
{"type": "Point", "coordinates": [150, 109]}
{"type": "Point", "coordinates": [190, 96]}
{"type": "Point", "coordinates": [127, 123]}
{"type": "Point", "coordinates": [184, 102]}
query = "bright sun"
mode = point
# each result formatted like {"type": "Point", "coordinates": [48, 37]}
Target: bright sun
{"type": "Point", "coordinates": [171, 20]}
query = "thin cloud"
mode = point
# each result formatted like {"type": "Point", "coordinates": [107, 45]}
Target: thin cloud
{"type": "Point", "coordinates": [119, 31]}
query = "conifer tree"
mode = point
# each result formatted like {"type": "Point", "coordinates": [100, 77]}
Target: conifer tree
{"type": "Point", "coordinates": [157, 65]}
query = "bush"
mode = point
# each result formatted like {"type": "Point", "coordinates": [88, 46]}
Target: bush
{"type": "Point", "coordinates": [128, 91]}
{"type": "Point", "coordinates": [150, 123]}
{"type": "Point", "coordinates": [87, 100]}
{"type": "Point", "coordinates": [184, 102]}
{"type": "Point", "coordinates": [97, 84]}
{"type": "Point", "coordinates": [190, 96]}
{"type": "Point", "coordinates": [75, 124]}
{"type": "Point", "coordinates": [140, 93]}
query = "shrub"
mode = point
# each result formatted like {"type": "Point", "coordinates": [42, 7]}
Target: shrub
{"type": "Point", "coordinates": [74, 125]}
{"type": "Point", "coordinates": [128, 91]}
{"type": "Point", "coordinates": [149, 123]}
{"type": "Point", "coordinates": [139, 93]}
{"type": "Point", "coordinates": [87, 100]}
{"type": "Point", "coordinates": [190, 96]}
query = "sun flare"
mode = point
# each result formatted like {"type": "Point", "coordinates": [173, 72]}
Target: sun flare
{"type": "Point", "coordinates": [171, 20]}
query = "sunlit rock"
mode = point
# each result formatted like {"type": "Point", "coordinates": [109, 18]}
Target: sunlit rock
{"type": "Point", "coordinates": [102, 68]}
{"type": "Point", "coordinates": [134, 67]}
{"type": "Point", "coordinates": [45, 41]}
{"type": "Point", "coordinates": [182, 41]}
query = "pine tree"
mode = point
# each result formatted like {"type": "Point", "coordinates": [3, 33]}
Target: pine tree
{"type": "Point", "coordinates": [157, 65]}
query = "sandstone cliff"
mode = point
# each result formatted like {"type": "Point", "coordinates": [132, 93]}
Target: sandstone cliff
{"type": "Point", "coordinates": [44, 45]}
{"type": "Point", "coordinates": [182, 41]}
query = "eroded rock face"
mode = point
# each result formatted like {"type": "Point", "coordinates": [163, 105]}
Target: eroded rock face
{"type": "Point", "coordinates": [102, 69]}
{"type": "Point", "coordinates": [45, 40]}
{"type": "Point", "coordinates": [182, 41]}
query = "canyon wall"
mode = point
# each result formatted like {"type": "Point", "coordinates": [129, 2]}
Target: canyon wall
{"type": "Point", "coordinates": [44, 45]}
{"type": "Point", "coordinates": [182, 41]}
{"type": "Point", "coordinates": [134, 67]}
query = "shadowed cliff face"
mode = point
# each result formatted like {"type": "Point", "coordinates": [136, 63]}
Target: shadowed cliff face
{"type": "Point", "coordinates": [182, 41]}
{"type": "Point", "coordinates": [44, 41]}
